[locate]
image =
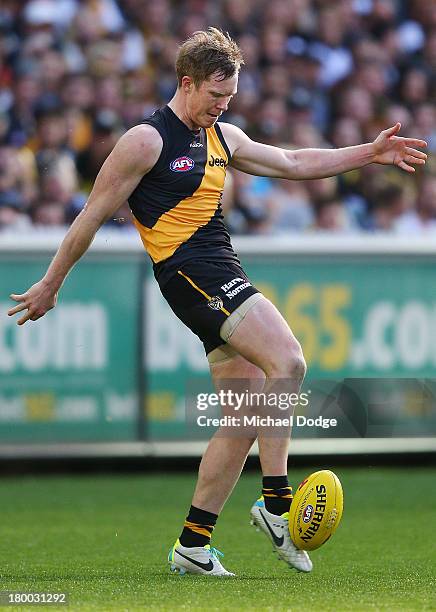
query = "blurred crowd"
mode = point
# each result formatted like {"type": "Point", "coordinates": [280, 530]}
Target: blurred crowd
{"type": "Point", "coordinates": [75, 74]}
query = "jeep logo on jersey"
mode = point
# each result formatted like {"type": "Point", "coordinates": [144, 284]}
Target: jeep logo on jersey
{"type": "Point", "coordinates": [182, 164]}
{"type": "Point", "coordinates": [217, 161]}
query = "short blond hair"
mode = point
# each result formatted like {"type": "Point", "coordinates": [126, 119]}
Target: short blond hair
{"type": "Point", "coordinates": [206, 53]}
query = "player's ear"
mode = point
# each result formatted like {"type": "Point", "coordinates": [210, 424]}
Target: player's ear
{"type": "Point", "coordinates": [187, 84]}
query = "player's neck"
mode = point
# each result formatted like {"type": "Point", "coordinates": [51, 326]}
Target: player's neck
{"type": "Point", "coordinates": [178, 106]}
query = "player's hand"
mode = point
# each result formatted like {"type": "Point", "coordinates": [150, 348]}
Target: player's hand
{"type": "Point", "coordinates": [392, 149]}
{"type": "Point", "coordinates": [37, 300]}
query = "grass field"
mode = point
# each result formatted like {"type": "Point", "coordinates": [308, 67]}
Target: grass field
{"type": "Point", "coordinates": [104, 540]}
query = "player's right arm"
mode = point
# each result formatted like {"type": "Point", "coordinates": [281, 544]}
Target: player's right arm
{"type": "Point", "coordinates": [133, 156]}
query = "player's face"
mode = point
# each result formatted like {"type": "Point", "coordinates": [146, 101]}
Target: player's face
{"type": "Point", "coordinates": [210, 99]}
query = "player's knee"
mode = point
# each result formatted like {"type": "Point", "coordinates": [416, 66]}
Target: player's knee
{"type": "Point", "coordinates": [301, 365]}
{"type": "Point", "coordinates": [289, 364]}
{"type": "Point", "coordinates": [297, 366]}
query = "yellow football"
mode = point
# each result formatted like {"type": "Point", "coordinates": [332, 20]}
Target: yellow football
{"type": "Point", "coordinates": [316, 510]}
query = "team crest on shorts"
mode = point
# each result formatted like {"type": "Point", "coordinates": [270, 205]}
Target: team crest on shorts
{"type": "Point", "coordinates": [215, 303]}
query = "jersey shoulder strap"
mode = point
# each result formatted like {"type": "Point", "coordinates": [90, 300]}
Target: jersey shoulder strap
{"type": "Point", "coordinates": [159, 121]}
{"type": "Point", "coordinates": [222, 140]}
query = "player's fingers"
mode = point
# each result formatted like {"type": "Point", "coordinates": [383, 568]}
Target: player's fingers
{"type": "Point", "coordinates": [411, 159]}
{"type": "Point", "coordinates": [16, 309]}
{"type": "Point", "coordinates": [416, 153]}
{"type": "Point", "coordinates": [393, 130]}
{"type": "Point", "coordinates": [26, 317]}
{"type": "Point", "coordinates": [415, 142]}
{"type": "Point", "coordinates": [406, 167]}
{"type": "Point", "coordinates": [17, 297]}
{"type": "Point", "coordinates": [415, 160]}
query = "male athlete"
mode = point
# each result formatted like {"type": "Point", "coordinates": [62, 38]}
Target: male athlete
{"type": "Point", "coordinates": [171, 168]}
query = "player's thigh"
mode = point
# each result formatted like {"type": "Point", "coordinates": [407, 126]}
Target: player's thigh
{"type": "Point", "coordinates": [238, 375]}
{"type": "Point", "coordinates": [236, 367]}
{"type": "Point", "coordinates": [264, 339]}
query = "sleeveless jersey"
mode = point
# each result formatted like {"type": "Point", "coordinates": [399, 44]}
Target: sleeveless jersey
{"type": "Point", "coordinates": [177, 205]}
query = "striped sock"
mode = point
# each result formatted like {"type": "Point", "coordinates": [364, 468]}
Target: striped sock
{"type": "Point", "coordinates": [198, 527]}
{"type": "Point", "coordinates": [277, 494]}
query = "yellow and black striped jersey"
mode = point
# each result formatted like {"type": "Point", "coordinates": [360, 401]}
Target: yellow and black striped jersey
{"type": "Point", "coordinates": [177, 205]}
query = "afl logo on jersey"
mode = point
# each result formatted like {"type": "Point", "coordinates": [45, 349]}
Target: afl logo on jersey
{"type": "Point", "coordinates": [182, 164]}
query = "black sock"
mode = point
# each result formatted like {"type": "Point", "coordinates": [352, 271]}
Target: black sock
{"type": "Point", "coordinates": [277, 494]}
{"type": "Point", "coordinates": [198, 527]}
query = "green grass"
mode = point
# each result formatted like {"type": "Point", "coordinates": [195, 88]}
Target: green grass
{"type": "Point", "coordinates": [104, 540]}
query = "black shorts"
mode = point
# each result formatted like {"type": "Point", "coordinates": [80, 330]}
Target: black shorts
{"type": "Point", "coordinates": [203, 294]}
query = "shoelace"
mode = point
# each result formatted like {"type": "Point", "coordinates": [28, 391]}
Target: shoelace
{"type": "Point", "coordinates": [214, 552]}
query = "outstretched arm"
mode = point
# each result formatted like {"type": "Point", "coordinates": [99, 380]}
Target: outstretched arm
{"type": "Point", "coordinates": [133, 156]}
{"type": "Point", "coordinates": [264, 160]}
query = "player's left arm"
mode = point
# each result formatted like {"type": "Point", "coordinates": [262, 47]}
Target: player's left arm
{"type": "Point", "coordinates": [265, 160]}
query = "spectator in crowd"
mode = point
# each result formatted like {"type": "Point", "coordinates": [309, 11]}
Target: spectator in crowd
{"type": "Point", "coordinates": [74, 74]}
{"type": "Point", "coordinates": [49, 214]}
{"type": "Point", "coordinates": [422, 219]}
{"type": "Point", "coordinates": [331, 216]}
{"type": "Point", "coordinates": [389, 206]}
{"type": "Point", "coordinates": [12, 216]}
{"type": "Point", "coordinates": [289, 208]}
